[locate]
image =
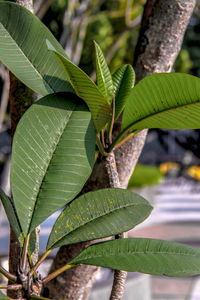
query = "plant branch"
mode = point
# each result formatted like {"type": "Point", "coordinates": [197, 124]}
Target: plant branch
{"type": "Point", "coordinates": [8, 275]}
{"type": "Point", "coordinates": [100, 146]}
{"type": "Point", "coordinates": [56, 273]}
{"type": "Point", "coordinates": [42, 258]}
{"type": "Point", "coordinates": [11, 287]}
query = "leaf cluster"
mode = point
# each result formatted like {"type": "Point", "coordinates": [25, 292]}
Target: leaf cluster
{"type": "Point", "coordinates": [54, 150]}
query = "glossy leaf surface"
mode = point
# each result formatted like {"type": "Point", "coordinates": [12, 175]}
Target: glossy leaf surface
{"type": "Point", "coordinates": [52, 157]}
{"type": "Point", "coordinates": [164, 101]}
{"type": "Point", "coordinates": [86, 89]}
{"type": "Point", "coordinates": [98, 214]}
{"type": "Point", "coordinates": [123, 81]}
{"type": "Point", "coordinates": [23, 50]}
{"type": "Point", "coordinates": [104, 78]}
{"type": "Point", "coordinates": [149, 256]}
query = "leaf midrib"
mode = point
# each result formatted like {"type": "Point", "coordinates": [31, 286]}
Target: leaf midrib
{"type": "Point", "coordinates": [137, 252]}
{"type": "Point", "coordinates": [158, 113]}
{"type": "Point", "coordinates": [26, 58]}
{"type": "Point", "coordinates": [94, 219]}
{"type": "Point", "coordinates": [45, 172]}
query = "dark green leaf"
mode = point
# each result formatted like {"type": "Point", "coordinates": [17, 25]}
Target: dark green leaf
{"type": "Point", "coordinates": [123, 81]}
{"type": "Point", "coordinates": [11, 213]}
{"type": "Point", "coordinates": [104, 78]}
{"type": "Point", "coordinates": [164, 101]}
{"type": "Point", "coordinates": [52, 157]}
{"type": "Point", "coordinates": [23, 50]}
{"type": "Point", "coordinates": [98, 214]}
{"type": "Point", "coordinates": [86, 90]}
{"type": "Point", "coordinates": [143, 255]}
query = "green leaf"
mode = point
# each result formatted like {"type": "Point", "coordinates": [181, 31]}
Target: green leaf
{"type": "Point", "coordinates": [52, 157]}
{"type": "Point", "coordinates": [163, 101]}
{"type": "Point", "coordinates": [149, 256]}
{"type": "Point", "coordinates": [145, 175]}
{"type": "Point", "coordinates": [98, 214]}
{"type": "Point", "coordinates": [14, 222]}
{"type": "Point", "coordinates": [23, 50]}
{"type": "Point", "coordinates": [11, 213]}
{"type": "Point", "coordinates": [104, 78]}
{"type": "Point", "coordinates": [123, 81]}
{"type": "Point", "coordinates": [3, 297]}
{"type": "Point", "coordinates": [86, 89]}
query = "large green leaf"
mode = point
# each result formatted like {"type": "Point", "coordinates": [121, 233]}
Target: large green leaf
{"type": "Point", "coordinates": [23, 50]}
{"type": "Point", "coordinates": [164, 101]}
{"type": "Point", "coordinates": [52, 157]}
{"type": "Point", "coordinates": [98, 214]}
{"type": "Point", "coordinates": [123, 81]}
{"type": "Point", "coordinates": [149, 256]}
{"type": "Point", "coordinates": [104, 78]}
{"type": "Point", "coordinates": [86, 89]}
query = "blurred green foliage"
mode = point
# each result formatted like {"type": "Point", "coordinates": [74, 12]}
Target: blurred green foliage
{"type": "Point", "coordinates": [145, 175]}
{"type": "Point", "coordinates": [109, 22]}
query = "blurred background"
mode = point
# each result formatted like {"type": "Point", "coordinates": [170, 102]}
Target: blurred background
{"type": "Point", "coordinates": [168, 172]}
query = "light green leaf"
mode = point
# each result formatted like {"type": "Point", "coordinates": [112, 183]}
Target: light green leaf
{"type": "Point", "coordinates": [52, 157]}
{"type": "Point", "coordinates": [149, 256]}
{"type": "Point", "coordinates": [145, 175]}
{"type": "Point", "coordinates": [164, 101]}
{"type": "Point", "coordinates": [98, 214]}
{"type": "Point", "coordinates": [23, 50]}
{"type": "Point", "coordinates": [104, 78]}
{"type": "Point", "coordinates": [123, 81]}
{"type": "Point", "coordinates": [3, 297]}
{"type": "Point", "coordinates": [86, 89]}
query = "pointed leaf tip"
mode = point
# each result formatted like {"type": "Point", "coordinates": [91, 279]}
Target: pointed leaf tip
{"type": "Point", "coordinates": [104, 78]}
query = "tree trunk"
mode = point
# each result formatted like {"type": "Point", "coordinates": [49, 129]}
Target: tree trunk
{"type": "Point", "coordinates": [162, 30]}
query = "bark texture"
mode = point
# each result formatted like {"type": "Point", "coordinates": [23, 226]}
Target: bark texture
{"type": "Point", "coordinates": [20, 98]}
{"type": "Point", "coordinates": [162, 30]}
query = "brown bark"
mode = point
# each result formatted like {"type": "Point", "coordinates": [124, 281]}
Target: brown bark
{"type": "Point", "coordinates": [163, 26]}
{"type": "Point", "coordinates": [20, 98]}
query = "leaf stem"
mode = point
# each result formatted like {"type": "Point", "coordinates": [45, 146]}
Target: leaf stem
{"type": "Point", "coordinates": [102, 138]}
{"type": "Point", "coordinates": [8, 275]}
{"type": "Point", "coordinates": [42, 258]}
{"type": "Point", "coordinates": [11, 287]}
{"type": "Point", "coordinates": [100, 146]}
{"type": "Point", "coordinates": [56, 273]}
{"type": "Point", "coordinates": [24, 254]}
{"type": "Point", "coordinates": [124, 140]}
{"type": "Point", "coordinates": [121, 139]}
{"type": "Point", "coordinates": [112, 122]}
